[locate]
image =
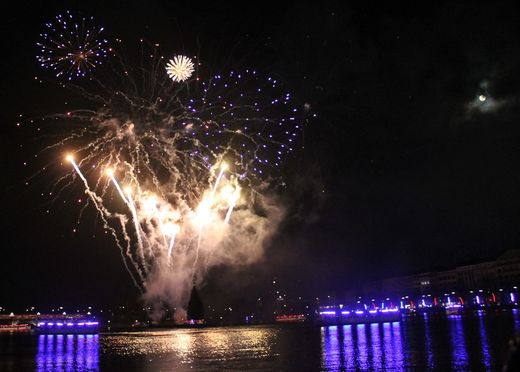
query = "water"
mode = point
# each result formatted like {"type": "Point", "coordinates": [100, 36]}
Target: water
{"type": "Point", "coordinates": [477, 342]}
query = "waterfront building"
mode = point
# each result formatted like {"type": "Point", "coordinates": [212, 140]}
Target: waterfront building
{"type": "Point", "coordinates": [493, 274]}
{"type": "Point", "coordinates": [508, 268]}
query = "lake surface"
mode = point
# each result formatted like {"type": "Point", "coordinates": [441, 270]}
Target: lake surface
{"type": "Point", "coordinates": [476, 342]}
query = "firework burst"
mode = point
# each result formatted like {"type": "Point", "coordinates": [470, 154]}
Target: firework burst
{"type": "Point", "coordinates": [72, 46]}
{"type": "Point", "coordinates": [180, 68]}
{"type": "Point", "coordinates": [180, 177]}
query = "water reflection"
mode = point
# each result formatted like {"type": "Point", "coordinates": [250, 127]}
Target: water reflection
{"type": "Point", "coordinates": [377, 349]}
{"type": "Point", "coordinates": [331, 348]}
{"type": "Point", "coordinates": [67, 353]}
{"type": "Point", "coordinates": [371, 346]}
{"type": "Point", "coordinates": [486, 356]}
{"type": "Point", "coordinates": [393, 344]}
{"type": "Point", "coordinates": [361, 354]}
{"type": "Point", "coordinates": [428, 341]}
{"type": "Point", "coordinates": [475, 341]}
{"type": "Point", "coordinates": [458, 345]}
{"type": "Point", "coordinates": [516, 317]}
{"type": "Point", "coordinates": [347, 338]}
{"type": "Point", "coordinates": [421, 343]}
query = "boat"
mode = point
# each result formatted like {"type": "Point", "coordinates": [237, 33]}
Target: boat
{"type": "Point", "coordinates": [290, 318]}
{"type": "Point", "coordinates": [343, 316]}
{"type": "Point", "coordinates": [67, 326]}
{"type": "Point", "coordinates": [15, 327]}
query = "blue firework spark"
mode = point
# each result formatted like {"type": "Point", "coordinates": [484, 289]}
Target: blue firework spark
{"type": "Point", "coordinates": [72, 46]}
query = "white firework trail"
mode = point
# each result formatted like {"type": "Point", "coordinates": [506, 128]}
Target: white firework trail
{"type": "Point", "coordinates": [110, 173]}
{"type": "Point", "coordinates": [232, 202]}
{"type": "Point", "coordinates": [137, 226]}
{"type": "Point", "coordinates": [104, 213]}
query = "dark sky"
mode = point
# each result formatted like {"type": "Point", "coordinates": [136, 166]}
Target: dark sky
{"type": "Point", "coordinates": [404, 169]}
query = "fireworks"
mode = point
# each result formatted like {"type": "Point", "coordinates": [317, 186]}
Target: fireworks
{"type": "Point", "coordinates": [179, 68]}
{"type": "Point", "coordinates": [72, 46]}
{"type": "Point", "coordinates": [180, 176]}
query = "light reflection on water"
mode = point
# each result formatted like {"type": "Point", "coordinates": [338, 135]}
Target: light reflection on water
{"type": "Point", "coordinates": [67, 353]}
{"type": "Point", "coordinates": [458, 345]}
{"type": "Point", "coordinates": [452, 342]}
{"type": "Point", "coordinates": [433, 342]}
{"type": "Point", "coordinates": [486, 356]}
{"type": "Point", "coordinates": [186, 343]}
{"type": "Point", "coordinates": [185, 348]}
{"type": "Point", "coordinates": [362, 347]}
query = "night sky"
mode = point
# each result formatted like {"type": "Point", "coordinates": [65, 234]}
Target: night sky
{"type": "Point", "coordinates": [404, 169]}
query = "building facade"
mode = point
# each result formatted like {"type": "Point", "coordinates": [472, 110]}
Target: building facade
{"type": "Point", "coordinates": [504, 271]}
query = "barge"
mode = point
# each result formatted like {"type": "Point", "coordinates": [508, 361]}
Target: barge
{"type": "Point", "coordinates": [344, 316]}
{"type": "Point", "coordinates": [67, 326]}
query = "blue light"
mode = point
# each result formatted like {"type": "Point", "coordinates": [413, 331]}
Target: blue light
{"type": "Point", "coordinates": [389, 310]}
{"type": "Point", "coordinates": [327, 313]}
{"type": "Point", "coordinates": [69, 324]}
